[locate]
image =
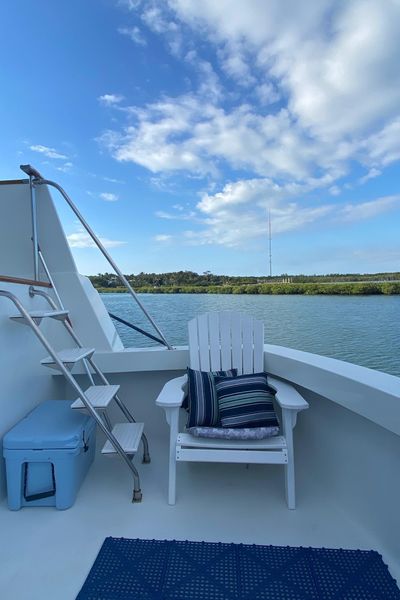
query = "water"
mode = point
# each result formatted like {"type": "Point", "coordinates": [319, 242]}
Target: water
{"type": "Point", "coordinates": [364, 330]}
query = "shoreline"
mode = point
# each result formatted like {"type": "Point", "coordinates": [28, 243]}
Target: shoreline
{"type": "Point", "coordinates": [365, 288]}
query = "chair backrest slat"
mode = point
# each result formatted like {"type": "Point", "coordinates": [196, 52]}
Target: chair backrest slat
{"type": "Point", "coordinates": [247, 339]}
{"type": "Point", "coordinates": [215, 346]}
{"type": "Point", "coordinates": [258, 340]}
{"type": "Point", "coordinates": [204, 345]}
{"type": "Point", "coordinates": [225, 340]}
{"type": "Point", "coordinates": [194, 356]}
{"type": "Point", "coordinates": [237, 349]}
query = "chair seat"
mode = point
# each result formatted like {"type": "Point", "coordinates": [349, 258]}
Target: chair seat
{"type": "Point", "coordinates": [276, 442]}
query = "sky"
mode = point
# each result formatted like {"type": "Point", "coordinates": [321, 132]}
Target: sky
{"type": "Point", "coordinates": [177, 126]}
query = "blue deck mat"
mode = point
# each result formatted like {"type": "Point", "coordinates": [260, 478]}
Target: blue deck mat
{"type": "Point", "coordinates": [171, 570]}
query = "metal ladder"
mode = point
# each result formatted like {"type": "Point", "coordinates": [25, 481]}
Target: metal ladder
{"type": "Point", "coordinates": [124, 438]}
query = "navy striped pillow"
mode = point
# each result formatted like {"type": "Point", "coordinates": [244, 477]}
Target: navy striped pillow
{"type": "Point", "coordinates": [203, 403]}
{"type": "Point", "coordinates": [246, 401]}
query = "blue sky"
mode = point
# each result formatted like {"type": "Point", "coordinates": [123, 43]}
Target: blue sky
{"type": "Point", "coordinates": [176, 125]}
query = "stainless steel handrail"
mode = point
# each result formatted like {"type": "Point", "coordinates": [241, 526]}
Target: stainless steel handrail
{"type": "Point", "coordinates": [49, 277]}
{"type": "Point", "coordinates": [136, 328]}
{"type": "Point", "coordinates": [33, 174]}
{"type": "Point", "coordinates": [37, 179]}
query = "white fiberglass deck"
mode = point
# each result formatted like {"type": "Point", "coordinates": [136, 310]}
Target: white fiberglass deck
{"type": "Point", "coordinates": [48, 553]}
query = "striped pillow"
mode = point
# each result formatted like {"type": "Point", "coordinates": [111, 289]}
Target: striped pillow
{"type": "Point", "coordinates": [246, 401]}
{"type": "Point", "coordinates": [203, 403]}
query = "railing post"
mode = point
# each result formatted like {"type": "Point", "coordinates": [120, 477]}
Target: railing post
{"type": "Point", "coordinates": [34, 229]}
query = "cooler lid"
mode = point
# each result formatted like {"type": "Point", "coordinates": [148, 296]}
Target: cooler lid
{"type": "Point", "coordinates": [52, 424]}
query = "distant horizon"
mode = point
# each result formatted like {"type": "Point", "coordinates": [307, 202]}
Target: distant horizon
{"type": "Point", "coordinates": [178, 126]}
{"type": "Point", "coordinates": [250, 276]}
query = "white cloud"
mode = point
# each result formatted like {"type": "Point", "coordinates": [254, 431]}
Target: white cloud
{"type": "Point", "coordinates": [367, 210]}
{"type": "Point", "coordinates": [316, 91]}
{"type": "Point", "coordinates": [267, 93]}
{"type": "Point", "coordinates": [209, 85]}
{"type": "Point", "coordinates": [177, 216]}
{"type": "Point", "coordinates": [65, 168]}
{"type": "Point", "coordinates": [134, 34]}
{"type": "Point", "coordinates": [162, 237]}
{"type": "Point", "coordinates": [162, 183]}
{"type": "Point", "coordinates": [345, 81]}
{"type": "Point", "coordinates": [106, 178]}
{"type": "Point", "coordinates": [109, 197]}
{"type": "Point", "coordinates": [160, 141]}
{"type": "Point", "coordinates": [156, 20]}
{"type": "Point", "coordinates": [46, 151]}
{"type": "Point", "coordinates": [112, 180]}
{"type": "Point", "coordinates": [129, 4]}
{"type": "Point", "coordinates": [332, 60]}
{"type": "Point", "coordinates": [190, 134]}
{"type": "Point", "coordinates": [383, 147]}
{"type": "Point", "coordinates": [238, 214]}
{"type": "Point", "coordinates": [372, 173]}
{"type": "Point", "coordinates": [81, 239]}
{"type": "Point", "coordinates": [332, 65]}
{"type": "Point", "coordinates": [334, 190]}
{"type": "Point", "coordinates": [110, 99]}
{"type": "Point", "coordinates": [234, 62]}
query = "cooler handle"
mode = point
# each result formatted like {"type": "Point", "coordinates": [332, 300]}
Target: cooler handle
{"type": "Point", "coordinates": [41, 495]}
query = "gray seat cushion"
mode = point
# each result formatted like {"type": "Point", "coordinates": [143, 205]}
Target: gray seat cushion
{"type": "Point", "coordinates": [230, 433]}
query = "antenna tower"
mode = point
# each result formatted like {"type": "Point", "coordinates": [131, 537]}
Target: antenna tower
{"type": "Point", "coordinates": [270, 242]}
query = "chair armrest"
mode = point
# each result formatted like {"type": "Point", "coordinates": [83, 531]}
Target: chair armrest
{"type": "Point", "coordinates": [173, 393]}
{"type": "Point", "coordinates": [286, 395]}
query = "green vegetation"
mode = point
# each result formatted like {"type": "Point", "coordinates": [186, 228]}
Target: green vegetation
{"type": "Point", "coordinates": [188, 282]}
{"type": "Point", "coordinates": [189, 278]}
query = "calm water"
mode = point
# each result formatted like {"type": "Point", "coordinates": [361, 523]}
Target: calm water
{"type": "Point", "coordinates": [364, 330]}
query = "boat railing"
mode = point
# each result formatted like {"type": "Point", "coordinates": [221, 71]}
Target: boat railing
{"type": "Point", "coordinates": [136, 328]}
{"type": "Point", "coordinates": [34, 292]}
{"type": "Point", "coordinates": [35, 180]}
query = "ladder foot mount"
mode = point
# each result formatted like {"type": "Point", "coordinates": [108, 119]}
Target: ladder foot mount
{"type": "Point", "coordinates": [137, 496]}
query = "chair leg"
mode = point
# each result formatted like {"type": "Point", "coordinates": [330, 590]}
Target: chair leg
{"type": "Point", "coordinates": [290, 485]}
{"type": "Point", "coordinates": [288, 424]}
{"type": "Point", "coordinates": [173, 420]}
{"type": "Point", "coordinates": [172, 482]}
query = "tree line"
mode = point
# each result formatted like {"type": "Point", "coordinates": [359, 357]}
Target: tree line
{"type": "Point", "coordinates": [190, 278]}
{"type": "Point", "coordinates": [189, 282]}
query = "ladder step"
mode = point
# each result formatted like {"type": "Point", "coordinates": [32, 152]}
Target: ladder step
{"type": "Point", "coordinates": [38, 315]}
{"type": "Point", "coordinates": [99, 396]}
{"type": "Point", "coordinates": [69, 357]}
{"type": "Point", "coordinates": [128, 435]}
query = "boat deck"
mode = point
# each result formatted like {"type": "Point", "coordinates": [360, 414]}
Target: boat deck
{"type": "Point", "coordinates": [47, 554]}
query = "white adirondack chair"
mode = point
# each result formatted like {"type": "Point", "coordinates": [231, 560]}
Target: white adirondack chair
{"type": "Point", "coordinates": [228, 340]}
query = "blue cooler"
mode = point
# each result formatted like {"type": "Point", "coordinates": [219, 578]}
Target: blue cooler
{"type": "Point", "coordinates": [47, 455]}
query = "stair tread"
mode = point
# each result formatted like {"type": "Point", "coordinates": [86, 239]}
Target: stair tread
{"type": "Point", "coordinates": [60, 315]}
{"type": "Point", "coordinates": [128, 435]}
{"type": "Point", "coordinates": [69, 355]}
{"type": "Point", "coordinates": [99, 396]}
